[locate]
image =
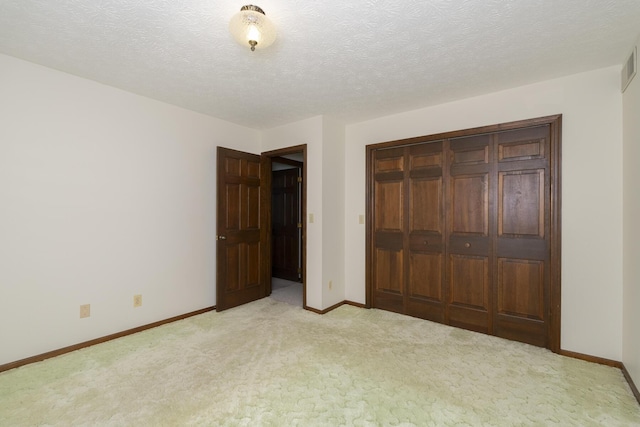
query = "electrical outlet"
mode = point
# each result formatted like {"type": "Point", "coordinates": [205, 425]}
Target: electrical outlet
{"type": "Point", "coordinates": [85, 310]}
{"type": "Point", "coordinates": [137, 300]}
{"type": "Point", "coordinates": [311, 218]}
{"type": "Point", "coordinates": [360, 219]}
{"type": "Point", "coordinates": [330, 284]}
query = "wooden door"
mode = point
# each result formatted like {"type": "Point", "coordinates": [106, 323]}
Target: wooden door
{"type": "Point", "coordinates": [522, 279]}
{"type": "Point", "coordinates": [469, 247]}
{"type": "Point", "coordinates": [285, 224]}
{"type": "Point", "coordinates": [241, 230]}
{"type": "Point", "coordinates": [464, 229]}
{"type": "Point", "coordinates": [425, 295]}
{"type": "Point", "coordinates": [388, 252]}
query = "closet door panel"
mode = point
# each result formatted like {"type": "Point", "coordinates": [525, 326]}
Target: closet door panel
{"type": "Point", "coordinates": [469, 290]}
{"type": "Point", "coordinates": [425, 208]}
{"type": "Point", "coordinates": [523, 144]}
{"type": "Point", "coordinates": [521, 288]}
{"type": "Point", "coordinates": [426, 232]}
{"type": "Point", "coordinates": [389, 202]}
{"type": "Point", "coordinates": [468, 151]}
{"type": "Point", "coordinates": [468, 234]}
{"type": "Point", "coordinates": [470, 204]}
{"type": "Point", "coordinates": [389, 271]}
{"type": "Point", "coordinates": [521, 203]}
{"type": "Point", "coordinates": [522, 242]}
{"type": "Point", "coordinates": [426, 277]}
{"type": "Point", "coordinates": [388, 235]}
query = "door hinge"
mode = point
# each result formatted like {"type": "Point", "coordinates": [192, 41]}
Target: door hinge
{"type": "Point", "coordinates": [299, 179]}
{"type": "Point", "coordinates": [299, 225]}
{"type": "Point", "coordinates": [299, 270]}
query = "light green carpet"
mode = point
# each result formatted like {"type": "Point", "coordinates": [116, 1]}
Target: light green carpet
{"type": "Point", "coordinates": [270, 363]}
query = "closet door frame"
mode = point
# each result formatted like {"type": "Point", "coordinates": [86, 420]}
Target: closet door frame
{"type": "Point", "coordinates": [555, 159]}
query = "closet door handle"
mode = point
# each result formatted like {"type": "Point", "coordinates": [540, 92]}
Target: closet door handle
{"type": "Point", "coordinates": [426, 242]}
{"type": "Point", "coordinates": [467, 245]}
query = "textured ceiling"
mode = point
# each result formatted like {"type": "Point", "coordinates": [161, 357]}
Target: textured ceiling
{"type": "Point", "coordinates": [353, 60]}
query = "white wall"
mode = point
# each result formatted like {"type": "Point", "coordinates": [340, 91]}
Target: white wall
{"type": "Point", "coordinates": [333, 254]}
{"type": "Point", "coordinates": [631, 227]}
{"type": "Point", "coordinates": [591, 105]}
{"type": "Point", "coordinates": [103, 194]}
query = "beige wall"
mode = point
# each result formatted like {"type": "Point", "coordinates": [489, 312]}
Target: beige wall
{"type": "Point", "coordinates": [631, 227]}
{"type": "Point", "coordinates": [591, 105]}
{"type": "Point", "coordinates": [103, 195]}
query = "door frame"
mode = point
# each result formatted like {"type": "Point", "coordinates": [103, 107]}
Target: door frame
{"type": "Point", "coordinates": [555, 123]}
{"type": "Point", "coordinates": [266, 160]}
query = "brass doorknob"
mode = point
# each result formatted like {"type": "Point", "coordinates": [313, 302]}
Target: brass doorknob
{"type": "Point", "coordinates": [467, 245]}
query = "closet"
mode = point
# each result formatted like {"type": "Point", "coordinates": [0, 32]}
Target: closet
{"type": "Point", "coordinates": [463, 229]}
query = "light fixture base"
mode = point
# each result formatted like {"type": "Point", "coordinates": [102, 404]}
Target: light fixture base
{"type": "Point", "coordinates": [253, 8]}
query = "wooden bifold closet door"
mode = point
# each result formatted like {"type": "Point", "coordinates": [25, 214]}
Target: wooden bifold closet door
{"type": "Point", "coordinates": [462, 228]}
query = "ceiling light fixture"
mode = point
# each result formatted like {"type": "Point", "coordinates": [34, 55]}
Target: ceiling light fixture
{"type": "Point", "coordinates": [251, 26]}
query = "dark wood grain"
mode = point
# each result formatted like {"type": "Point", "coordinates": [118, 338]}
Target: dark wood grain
{"type": "Point", "coordinates": [463, 228]}
{"type": "Point", "coordinates": [240, 275]}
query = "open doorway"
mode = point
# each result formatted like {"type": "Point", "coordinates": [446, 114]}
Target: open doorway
{"type": "Point", "coordinates": [288, 228]}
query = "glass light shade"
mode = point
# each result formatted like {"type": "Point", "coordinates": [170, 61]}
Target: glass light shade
{"type": "Point", "coordinates": [250, 27]}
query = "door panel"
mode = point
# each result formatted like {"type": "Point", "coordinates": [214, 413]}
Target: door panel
{"type": "Point", "coordinates": [470, 151]}
{"type": "Point", "coordinates": [238, 256]}
{"type": "Point", "coordinates": [233, 272]}
{"type": "Point", "coordinates": [389, 195]}
{"type": "Point", "coordinates": [424, 296]}
{"type": "Point", "coordinates": [426, 157]}
{"type": "Point", "coordinates": [391, 161]}
{"type": "Point", "coordinates": [389, 279]}
{"type": "Point", "coordinates": [388, 236]}
{"type": "Point", "coordinates": [232, 197]}
{"type": "Point", "coordinates": [469, 247]}
{"type": "Point", "coordinates": [240, 246]}
{"type": "Point", "coordinates": [426, 276]}
{"type": "Point", "coordinates": [253, 262]}
{"type": "Point", "coordinates": [523, 251]}
{"type": "Point", "coordinates": [521, 208]}
{"type": "Point", "coordinates": [523, 145]}
{"type": "Point", "coordinates": [521, 288]}
{"type": "Point", "coordinates": [470, 204]}
{"type": "Point", "coordinates": [469, 281]}
{"type": "Point", "coordinates": [390, 271]}
{"type": "Point", "coordinates": [252, 214]}
{"type": "Point", "coordinates": [426, 205]}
